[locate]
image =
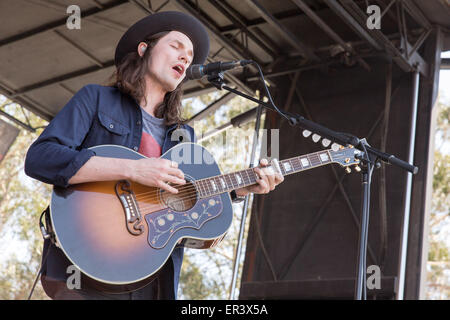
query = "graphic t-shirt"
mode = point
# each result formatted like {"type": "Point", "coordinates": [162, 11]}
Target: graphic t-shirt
{"type": "Point", "coordinates": [153, 134]}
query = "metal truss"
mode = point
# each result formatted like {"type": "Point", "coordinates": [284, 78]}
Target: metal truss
{"type": "Point", "coordinates": [382, 119]}
{"type": "Point", "coordinates": [404, 53]}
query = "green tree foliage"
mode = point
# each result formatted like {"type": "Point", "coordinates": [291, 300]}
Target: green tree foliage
{"type": "Point", "coordinates": [21, 202]}
{"type": "Point", "coordinates": [194, 284]}
{"type": "Point", "coordinates": [438, 276]}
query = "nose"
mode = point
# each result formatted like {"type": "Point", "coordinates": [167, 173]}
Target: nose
{"type": "Point", "coordinates": [184, 57]}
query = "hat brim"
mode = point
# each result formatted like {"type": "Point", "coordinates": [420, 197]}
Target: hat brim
{"type": "Point", "coordinates": [165, 21]}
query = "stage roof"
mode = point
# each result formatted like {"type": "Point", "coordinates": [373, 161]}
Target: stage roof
{"type": "Point", "coordinates": [43, 63]}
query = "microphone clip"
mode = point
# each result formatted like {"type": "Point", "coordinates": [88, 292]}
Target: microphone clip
{"type": "Point", "coordinates": [216, 79]}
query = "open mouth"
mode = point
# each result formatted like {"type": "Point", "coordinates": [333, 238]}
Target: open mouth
{"type": "Point", "coordinates": [179, 69]}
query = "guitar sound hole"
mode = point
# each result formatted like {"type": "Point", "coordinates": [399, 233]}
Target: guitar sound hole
{"type": "Point", "coordinates": [185, 199]}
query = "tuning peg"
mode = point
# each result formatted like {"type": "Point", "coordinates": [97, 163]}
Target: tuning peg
{"type": "Point", "coordinates": [306, 133]}
{"type": "Point", "coordinates": [357, 168]}
{"type": "Point", "coordinates": [326, 142]}
{"type": "Point", "coordinates": [348, 170]}
{"type": "Point", "coordinates": [315, 137]}
{"type": "Point", "coordinates": [335, 147]}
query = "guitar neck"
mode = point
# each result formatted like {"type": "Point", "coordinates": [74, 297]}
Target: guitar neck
{"type": "Point", "coordinates": [231, 181]}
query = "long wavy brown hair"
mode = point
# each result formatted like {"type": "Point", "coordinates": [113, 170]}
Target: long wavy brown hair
{"type": "Point", "coordinates": [129, 79]}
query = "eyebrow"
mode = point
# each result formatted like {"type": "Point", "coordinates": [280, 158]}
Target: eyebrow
{"type": "Point", "coordinates": [182, 44]}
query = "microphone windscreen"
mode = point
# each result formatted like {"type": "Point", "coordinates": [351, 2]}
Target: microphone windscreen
{"type": "Point", "coordinates": [194, 72]}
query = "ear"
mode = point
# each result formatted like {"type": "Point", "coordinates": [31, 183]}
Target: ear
{"type": "Point", "coordinates": [141, 48]}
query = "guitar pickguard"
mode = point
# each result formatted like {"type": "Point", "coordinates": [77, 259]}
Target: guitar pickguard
{"type": "Point", "coordinates": [164, 223]}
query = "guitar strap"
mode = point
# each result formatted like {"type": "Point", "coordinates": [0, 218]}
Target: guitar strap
{"type": "Point", "coordinates": [46, 230]}
{"type": "Point", "coordinates": [47, 233]}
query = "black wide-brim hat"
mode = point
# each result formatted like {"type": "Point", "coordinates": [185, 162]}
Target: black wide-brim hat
{"type": "Point", "coordinates": [165, 21]}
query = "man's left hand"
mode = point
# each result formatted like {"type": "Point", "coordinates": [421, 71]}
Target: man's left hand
{"type": "Point", "coordinates": [269, 179]}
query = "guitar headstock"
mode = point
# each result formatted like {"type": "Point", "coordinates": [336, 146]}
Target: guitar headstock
{"type": "Point", "coordinates": [346, 157]}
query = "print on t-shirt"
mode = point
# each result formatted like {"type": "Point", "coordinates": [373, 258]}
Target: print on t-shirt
{"type": "Point", "coordinates": [153, 133]}
{"type": "Point", "coordinates": [149, 147]}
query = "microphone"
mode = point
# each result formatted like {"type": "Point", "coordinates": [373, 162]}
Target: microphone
{"type": "Point", "coordinates": [197, 71]}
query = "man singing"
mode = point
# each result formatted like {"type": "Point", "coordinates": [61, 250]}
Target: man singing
{"type": "Point", "coordinates": [139, 110]}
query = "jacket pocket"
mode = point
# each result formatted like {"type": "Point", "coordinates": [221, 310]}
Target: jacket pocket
{"type": "Point", "coordinates": [112, 125]}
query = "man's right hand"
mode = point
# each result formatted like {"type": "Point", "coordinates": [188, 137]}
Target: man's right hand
{"type": "Point", "coordinates": [157, 172]}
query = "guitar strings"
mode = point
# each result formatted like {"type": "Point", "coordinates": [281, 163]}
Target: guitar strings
{"type": "Point", "coordinates": [163, 205]}
{"type": "Point", "coordinates": [204, 186]}
{"type": "Point", "coordinates": [188, 195]}
{"type": "Point", "coordinates": [158, 201]}
{"type": "Point", "coordinates": [190, 198]}
{"type": "Point", "coordinates": [144, 207]}
{"type": "Point", "coordinates": [183, 187]}
{"type": "Point", "coordinates": [197, 183]}
{"type": "Point", "coordinates": [149, 194]}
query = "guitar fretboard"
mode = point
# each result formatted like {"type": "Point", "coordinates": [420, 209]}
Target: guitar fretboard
{"type": "Point", "coordinates": [231, 181]}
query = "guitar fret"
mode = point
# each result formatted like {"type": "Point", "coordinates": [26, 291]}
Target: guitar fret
{"type": "Point", "coordinates": [249, 182]}
{"type": "Point", "coordinates": [205, 187]}
{"type": "Point", "coordinates": [198, 183]}
{"type": "Point", "coordinates": [247, 179]}
{"type": "Point", "coordinates": [223, 183]}
{"type": "Point", "coordinates": [233, 180]}
{"type": "Point", "coordinates": [217, 184]}
{"type": "Point", "coordinates": [304, 161]}
{"type": "Point", "coordinates": [297, 164]}
{"type": "Point", "coordinates": [251, 176]}
{"type": "Point", "coordinates": [229, 183]}
{"type": "Point", "coordinates": [286, 166]}
{"type": "Point", "coordinates": [239, 179]}
{"type": "Point", "coordinates": [208, 186]}
{"type": "Point", "coordinates": [314, 159]}
{"type": "Point", "coordinates": [213, 185]}
{"type": "Point", "coordinates": [316, 156]}
{"type": "Point", "coordinates": [324, 157]}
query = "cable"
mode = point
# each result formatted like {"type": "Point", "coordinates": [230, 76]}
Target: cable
{"type": "Point", "coordinates": [38, 274]}
{"type": "Point", "coordinates": [269, 96]}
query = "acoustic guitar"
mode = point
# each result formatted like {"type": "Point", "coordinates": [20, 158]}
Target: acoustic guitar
{"type": "Point", "coordinates": [120, 233]}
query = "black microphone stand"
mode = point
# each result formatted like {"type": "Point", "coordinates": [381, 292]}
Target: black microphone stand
{"type": "Point", "coordinates": [370, 158]}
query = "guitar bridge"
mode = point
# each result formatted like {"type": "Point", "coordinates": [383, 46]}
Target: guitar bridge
{"type": "Point", "coordinates": [133, 218]}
